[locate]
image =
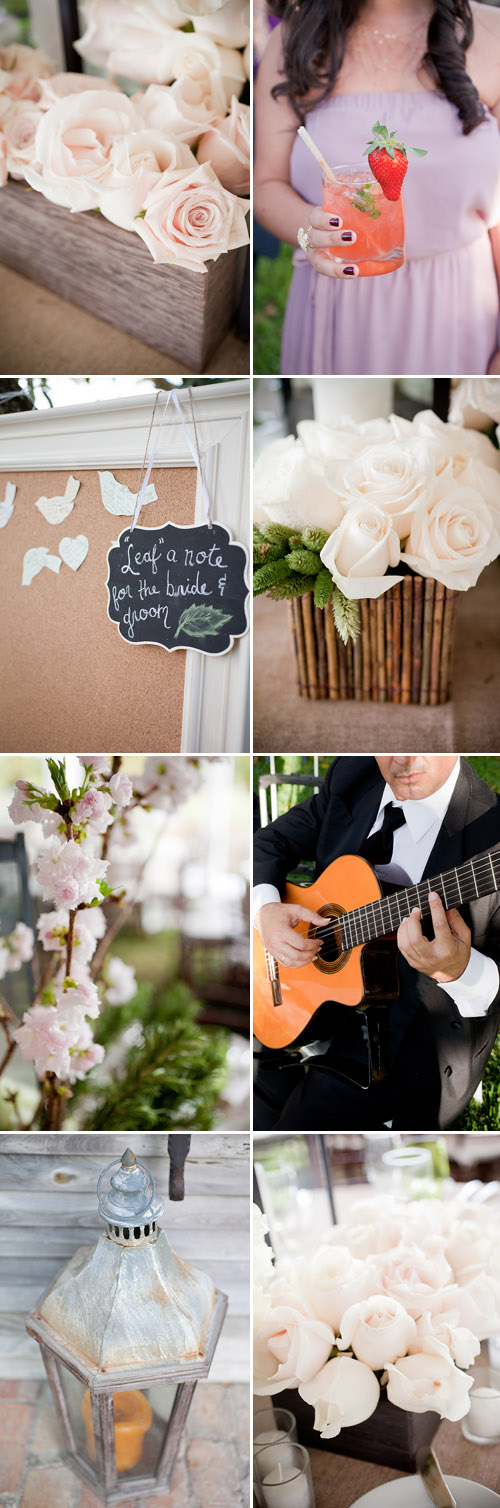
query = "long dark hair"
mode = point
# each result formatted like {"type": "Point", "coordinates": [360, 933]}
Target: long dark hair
{"type": "Point", "coordinates": [314, 44]}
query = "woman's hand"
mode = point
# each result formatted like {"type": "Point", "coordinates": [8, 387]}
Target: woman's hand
{"type": "Point", "coordinates": [323, 232]}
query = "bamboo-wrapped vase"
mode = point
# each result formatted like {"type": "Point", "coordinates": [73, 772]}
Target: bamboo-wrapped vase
{"type": "Point", "coordinates": [402, 654]}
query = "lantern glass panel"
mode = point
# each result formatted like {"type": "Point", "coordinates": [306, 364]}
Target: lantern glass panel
{"type": "Point", "coordinates": [142, 1420]}
{"type": "Point", "coordinates": [74, 1393]}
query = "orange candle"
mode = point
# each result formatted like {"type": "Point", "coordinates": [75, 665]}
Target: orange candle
{"type": "Point", "coordinates": [133, 1416]}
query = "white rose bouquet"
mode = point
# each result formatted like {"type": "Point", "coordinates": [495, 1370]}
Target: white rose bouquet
{"type": "Point", "coordinates": [395, 1300]}
{"type": "Point", "coordinates": [343, 512]}
{"type": "Point", "coordinates": [140, 167]}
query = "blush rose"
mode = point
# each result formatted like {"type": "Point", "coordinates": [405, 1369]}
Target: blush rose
{"type": "Point", "coordinates": [360, 551]}
{"type": "Point", "coordinates": [193, 220]}
{"type": "Point", "coordinates": [74, 142]}
{"type": "Point", "coordinates": [227, 146]}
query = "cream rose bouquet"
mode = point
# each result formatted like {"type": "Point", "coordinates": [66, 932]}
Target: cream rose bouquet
{"type": "Point", "coordinates": [86, 145]}
{"type": "Point", "coordinates": [342, 512]}
{"type": "Point", "coordinates": [397, 1299]}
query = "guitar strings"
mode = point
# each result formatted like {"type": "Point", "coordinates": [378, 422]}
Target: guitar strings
{"type": "Point", "coordinates": [480, 868]}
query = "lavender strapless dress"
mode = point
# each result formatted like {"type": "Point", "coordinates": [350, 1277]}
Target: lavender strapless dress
{"type": "Point", "coordinates": [436, 315]}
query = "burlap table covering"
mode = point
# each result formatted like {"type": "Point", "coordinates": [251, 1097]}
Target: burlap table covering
{"type": "Point", "coordinates": [339, 1481]}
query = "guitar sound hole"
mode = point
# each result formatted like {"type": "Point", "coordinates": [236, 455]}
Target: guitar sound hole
{"type": "Point", "coordinates": [330, 951]}
{"type": "Point", "coordinates": [330, 958]}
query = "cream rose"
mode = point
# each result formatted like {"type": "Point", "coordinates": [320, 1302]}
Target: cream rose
{"type": "Point", "coordinates": [475, 402]}
{"type": "Point", "coordinates": [445, 1336]}
{"type": "Point", "coordinates": [227, 146]}
{"type": "Point", "coordinates": [478, 1304]}
{"type": "Point", "coordinates": [19, 131]}
{"type": "Point", "coordinates": [329, 1281]}
{"type": "Point", "coordinates": [289, 1348]}
{"type": "Point", "coordinates": [470, 1244]}
{"type": "Point", "coordinates": [21, 69]}
{"type": "Point", "coordinates": [394, 477]}
{"type": "Point", "coordinates": [344, 1393]}
{"type": "Point", "coordinates": [360, 551]}
{"type": "Point", "coordinates": [192, 220]}
{"type": "Point", "coordinates": [193, 56]}
{"type": "Point", "coordinates": [374, 1226]}
{"type": "Point", "coordinates": [417, 1278]}
{"type": "Point", "coordinates": [57, 88]}
{"type": "Point", "coordinates": [230, 25]}
{"type": "Point", "coordinates": [138, 162]}
{"type": "Point", "coordinates": [3, 161]}
{"type": "Point", "coordinates": [453, 539]}
{"type": "Point", "coordinates": [453, 444]}
{"type": "Point", "coordinates": [74, 142]}
{"type": "Point", "coordinates": [343, 441]}
{"type": "Point", "coordinates": [425, 1381]}
{"type": "Point", "coordinates": [378, 1329]}
{"type": "Point", "coordinates": [291, 488]}
{"type": "Point", "coordinates": [186, 108]}
{"type": "Point", "coordinates": [131, 39]}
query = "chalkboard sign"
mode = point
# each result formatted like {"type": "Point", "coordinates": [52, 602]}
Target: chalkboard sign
{"type": "Point", "coordinates": [182, 586]}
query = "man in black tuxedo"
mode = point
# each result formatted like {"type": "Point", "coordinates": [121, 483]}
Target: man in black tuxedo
{"type": "Point", "coordinates": [416, 1060]}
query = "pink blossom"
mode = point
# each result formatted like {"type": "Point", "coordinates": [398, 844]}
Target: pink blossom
{"type": "Point", "coordinates": [69, 873]}
{"type": "Point", "coordinates": [4, 959]}
{"type": "Point", "coordinates": [93, 808]}
{"type": "Point", "coordinates": [122, 983]}
{"type": "Point", "coordinates": [41, 1039]}
{"type": "Point", "coordinates": [100, 764]}
{"type": "Point", "coordinates": [81, 1062]}
{"type": "Point", "coordinates": [167, 781]}
{"type": "Point", "coordinates": [122, 789]}
{"type": "Point", "coordinates": [22, 942]}
{"type": "Point", "coordinates": [52, 927]}
{"type": "Point", "coordinates": [18, 810]}
{"type": "Point", "coordinates": [82, 1001]}
{"type": "Point", "coordinates": [93, 920]}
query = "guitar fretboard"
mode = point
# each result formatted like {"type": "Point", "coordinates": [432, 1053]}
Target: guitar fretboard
{"type": "Point", "coordinates": [475, 878]}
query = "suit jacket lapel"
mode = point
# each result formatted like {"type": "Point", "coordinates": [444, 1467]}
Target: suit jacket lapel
{"type": "Point", "coordinates": [346, 827]}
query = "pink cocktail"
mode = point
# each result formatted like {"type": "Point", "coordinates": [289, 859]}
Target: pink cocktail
{"type": "Point", "coordinates": [379, 223]}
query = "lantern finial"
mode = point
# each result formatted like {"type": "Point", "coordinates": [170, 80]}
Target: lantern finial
{"type": "Point", "coordinates": [128, 1159]}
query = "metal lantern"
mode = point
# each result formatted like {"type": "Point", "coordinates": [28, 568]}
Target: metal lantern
{"type": "Point", "coordinates": [126, 1330]}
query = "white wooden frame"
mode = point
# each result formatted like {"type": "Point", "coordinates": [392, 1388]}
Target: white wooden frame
{"type": "Point", "coordinates": [113, 435]}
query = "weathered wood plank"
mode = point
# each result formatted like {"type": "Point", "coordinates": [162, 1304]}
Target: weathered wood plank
{"type": "Point", "coordinates": [67, 1209]}
{"type": "Point", "coordinates": [206, 1146]}
{"type": "Point", "coordinates": [110, 272]}
{"type": "Point", "coordinates": [53, 1173]}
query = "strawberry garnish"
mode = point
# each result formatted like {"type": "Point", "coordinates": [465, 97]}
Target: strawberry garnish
{"type": "Point", "coordinates": [388, 160]}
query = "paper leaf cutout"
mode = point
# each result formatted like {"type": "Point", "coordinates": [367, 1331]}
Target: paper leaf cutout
{"type": "Point", "coordinates": [7, 507]}
{"type": "Point", "coordinates": [56, 509]}
{"type": "Point", "coordinates": [199, 621]}
{"type": "Point", "coordinates": [118, 499]}
{"type": "Point", "coordinates": [35, 560]}
{"type": "Point", "coordinates": [74, 551]}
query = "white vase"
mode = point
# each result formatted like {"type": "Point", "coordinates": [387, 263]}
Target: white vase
{"type": "Point", "coordinates": [360, 398]}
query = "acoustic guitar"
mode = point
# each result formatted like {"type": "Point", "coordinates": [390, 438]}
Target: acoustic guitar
{"type": "Point", "coordinates": [286, 1000]}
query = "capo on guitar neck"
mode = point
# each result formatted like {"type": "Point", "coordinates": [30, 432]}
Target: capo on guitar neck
{"type": "Point", "coordinates": [273, 974]}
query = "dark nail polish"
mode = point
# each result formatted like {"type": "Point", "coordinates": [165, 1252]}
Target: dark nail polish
{"type": "Point", "coordinates": [346, 235]}
{"type": "Point", "coordinates": [349, 272]}
{"type": "Point", "coordinates": [335, 220]}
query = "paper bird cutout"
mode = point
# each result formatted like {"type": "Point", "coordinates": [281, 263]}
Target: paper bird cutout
{"type": "Point", "coordinates": [74, 551]}
{"type": "Point", "coordinates": [7, 507]}
{"type": "Point", "coordinates": [35, 560]}
{"type": "Point", "coordinates": [56, 509]}
{"type": "Point", "coordinates": [118, 499]}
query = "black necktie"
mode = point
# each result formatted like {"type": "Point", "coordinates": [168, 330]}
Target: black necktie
{"type": "Point", "coordinates": [378, 848]}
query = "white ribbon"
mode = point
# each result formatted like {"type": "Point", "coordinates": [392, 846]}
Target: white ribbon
{"type": "Point", "coordinates": [174, 396]}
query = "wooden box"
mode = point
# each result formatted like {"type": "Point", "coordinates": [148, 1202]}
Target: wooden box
{"type": "Point", "coordinates": [391, 1437]}
{"type": "Point", "coordinates": [402, 654]}
{"type": "Point", "coordinates": [111, 273]}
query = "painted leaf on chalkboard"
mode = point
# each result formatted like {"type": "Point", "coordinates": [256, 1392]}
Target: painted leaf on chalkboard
{"type": "Point", "coordinates": [198, 621]}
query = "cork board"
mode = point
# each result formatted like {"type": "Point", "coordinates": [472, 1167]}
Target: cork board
{"type": "Point", "coordinates": [67, 679]}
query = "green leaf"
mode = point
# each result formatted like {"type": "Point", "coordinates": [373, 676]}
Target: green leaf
{"type": "Point", "coordinates": [419, 151]}
{"type": "Point", "coordinates": [199, 622]}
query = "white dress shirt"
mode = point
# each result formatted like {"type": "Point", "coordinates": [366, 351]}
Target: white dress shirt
{"type": "Point", "coordinates": [414, 841]}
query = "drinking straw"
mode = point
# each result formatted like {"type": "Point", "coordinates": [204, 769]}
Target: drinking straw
{"type": "Point", "coordinates": [307, 139]}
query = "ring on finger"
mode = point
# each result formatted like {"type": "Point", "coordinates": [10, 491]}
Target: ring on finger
{"type": "Point", "coordinates": [304, 237]}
